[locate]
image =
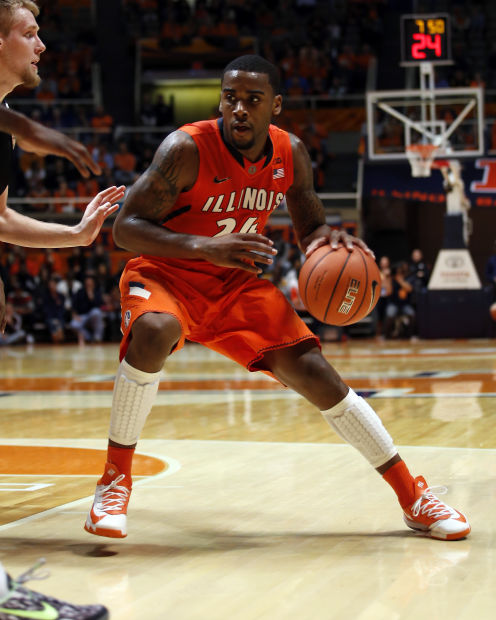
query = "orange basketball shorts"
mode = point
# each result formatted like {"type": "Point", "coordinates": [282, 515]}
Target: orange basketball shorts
{"type": "Point", "coordinates": [227, 310]}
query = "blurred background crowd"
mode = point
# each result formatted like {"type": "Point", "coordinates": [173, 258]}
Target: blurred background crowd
{"type": "Point", "coordinates": [329, 53]}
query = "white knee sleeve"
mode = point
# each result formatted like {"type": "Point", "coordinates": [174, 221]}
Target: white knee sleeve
{"type": "Point", "coordinates": [134, 394]}
{"type": "Point", "coordinates": [356, 422]}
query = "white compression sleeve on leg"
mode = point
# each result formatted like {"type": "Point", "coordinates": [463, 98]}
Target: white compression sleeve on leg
{"type": "Point", "coordinates": [356, 422]}
{"type": "Point", "coordinates": [134, 394]}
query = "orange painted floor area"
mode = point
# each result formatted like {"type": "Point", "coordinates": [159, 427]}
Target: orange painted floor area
{"type": "Point", "coordinates": [45, 477]}
{"type": "Point", "coordinates": [54, 461]}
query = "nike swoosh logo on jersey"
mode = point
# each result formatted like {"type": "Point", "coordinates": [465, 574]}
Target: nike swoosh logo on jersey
{"type": "Point", "coordinates": [217, 180]}
{"type": "Point", "coordinates": [47, 613]}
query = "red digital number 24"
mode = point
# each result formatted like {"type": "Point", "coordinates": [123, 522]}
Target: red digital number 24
{"type": "Point", "coordinates": [426, 41]}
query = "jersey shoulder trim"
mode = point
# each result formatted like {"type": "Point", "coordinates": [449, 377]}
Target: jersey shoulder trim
{"type": "Point", "coordinates": [277, 130]}
{"type": "Point", "coordinates": [280, 137]}
{"type": "Point", "coordinates": [200, 128]}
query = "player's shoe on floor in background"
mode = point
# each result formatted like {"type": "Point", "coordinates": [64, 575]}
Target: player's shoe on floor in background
{"type": "Point", "coordinates": [429, 514]}
{"type": "Point", "coordinates": [19, 602]}
{"type": "Point", "coordinates": [107, 516]}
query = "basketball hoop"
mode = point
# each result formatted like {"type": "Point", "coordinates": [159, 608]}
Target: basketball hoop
{"type": "Point", "coordinates": [420, 157]}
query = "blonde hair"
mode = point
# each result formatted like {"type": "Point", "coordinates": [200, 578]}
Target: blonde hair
{"type": "Point", "coordinates": [8, 8]}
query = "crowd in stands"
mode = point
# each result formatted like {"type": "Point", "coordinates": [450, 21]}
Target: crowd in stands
{"type": "Point", "coordinates": [401, 283]}
{"type": "Point", "coordinates": [38, 178]}
{"type": "Point", "coordinates": [321, 47]}
{"type": "Point", "coordinates": [53, 296]}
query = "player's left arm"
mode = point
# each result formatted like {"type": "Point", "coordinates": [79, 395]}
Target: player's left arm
{"type": "Point", "coordinates": [20, 229]}
{"type": "Point", "coordinates": [307, 211]}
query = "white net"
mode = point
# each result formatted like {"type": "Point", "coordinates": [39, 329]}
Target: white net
{"type": "Point", "coordinates": [420, 157]}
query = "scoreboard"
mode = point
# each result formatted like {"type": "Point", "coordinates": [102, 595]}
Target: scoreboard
{"type": "Point", "coordinates": [425, 38]}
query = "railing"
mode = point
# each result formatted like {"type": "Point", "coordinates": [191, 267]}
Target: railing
{"type": "Point", "coordinates": [46, 212]}
{"type": "Point", "coordinates": [331, 200]}
{"type": "Point", "coordinates": [314, 102]}
{"type": "Point", "coordinates": [311, 102]}
{"type": "Point", "coordinates": [94, 100]}
{"type": "Point", "coordinates": [37, 103]}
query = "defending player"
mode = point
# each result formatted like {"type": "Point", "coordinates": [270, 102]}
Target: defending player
{"type": "Point", "coordinates": [196, 217]}
{"type": "Point", "coordinates": [20, 50]}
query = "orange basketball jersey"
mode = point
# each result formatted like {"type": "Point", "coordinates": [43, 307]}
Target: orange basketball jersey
{"type": "Point", "coordinates": [226, 309]}
{"type": "Point", "coordinates": [231, 194]}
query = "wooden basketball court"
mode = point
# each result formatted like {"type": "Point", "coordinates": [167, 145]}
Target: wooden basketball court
{"type": "Point", "coordinates": [246, 505]}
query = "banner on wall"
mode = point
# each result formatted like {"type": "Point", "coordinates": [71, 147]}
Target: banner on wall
{"type": "Point", "coordinates": [394, 180]}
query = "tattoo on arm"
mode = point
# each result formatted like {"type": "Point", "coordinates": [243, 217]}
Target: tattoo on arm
{"type": "Point", "coordinates": [304, 206]}
{"type": "Point", "coordinates": [164, 178]}
{"type": "Point", "coordinates": [306, 210]}
{"type": "Point", "coordinates": [157, 190]}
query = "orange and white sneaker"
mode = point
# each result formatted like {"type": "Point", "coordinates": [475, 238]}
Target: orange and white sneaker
{"type": "Point", "coordinates": [429, 514]}
{"type": "Point", "coordinates": [107, 516]}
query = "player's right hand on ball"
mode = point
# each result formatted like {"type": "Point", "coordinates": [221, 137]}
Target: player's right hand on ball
{"type": "Point", "coordinates": [241, 250]}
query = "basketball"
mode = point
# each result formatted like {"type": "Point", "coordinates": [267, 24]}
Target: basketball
{"type": "Point", "coordinates": [492, 311]}
{"type": "Point", "coordinates": [339, 287]}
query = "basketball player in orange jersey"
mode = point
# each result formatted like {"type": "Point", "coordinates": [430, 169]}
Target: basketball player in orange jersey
{"type": "Point", "coordinates": [196, 217]}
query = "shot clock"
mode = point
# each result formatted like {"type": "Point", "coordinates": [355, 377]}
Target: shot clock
{"type": "Point", "coordinates": [425, 38]}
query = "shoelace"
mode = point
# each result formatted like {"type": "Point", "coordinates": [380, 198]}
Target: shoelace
{"type": "Point", "coordinates": [430, 505]}
{"type": "Point", "coordinates": [114, 496]}
{"type": "Point", "coordinates": [31, 574]}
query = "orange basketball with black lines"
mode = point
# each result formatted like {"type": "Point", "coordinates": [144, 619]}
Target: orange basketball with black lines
{"type": "Point", "coordinates": [339, 287]}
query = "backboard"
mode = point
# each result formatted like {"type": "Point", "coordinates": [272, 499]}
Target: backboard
{"type": "Point", "coordinates": [450, 118]}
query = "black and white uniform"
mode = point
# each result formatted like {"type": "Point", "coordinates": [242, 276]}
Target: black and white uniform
{"type": "Point", "coordinates": [6, 145]}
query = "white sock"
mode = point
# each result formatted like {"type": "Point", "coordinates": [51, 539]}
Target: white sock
{"type": "Point", "coordinates": [133, 398]}
{"type": "Point", "coordinates": [356, 422]}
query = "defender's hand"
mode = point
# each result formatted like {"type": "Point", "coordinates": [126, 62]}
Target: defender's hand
{"type": "Point", "coordinates": [96, 212]}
